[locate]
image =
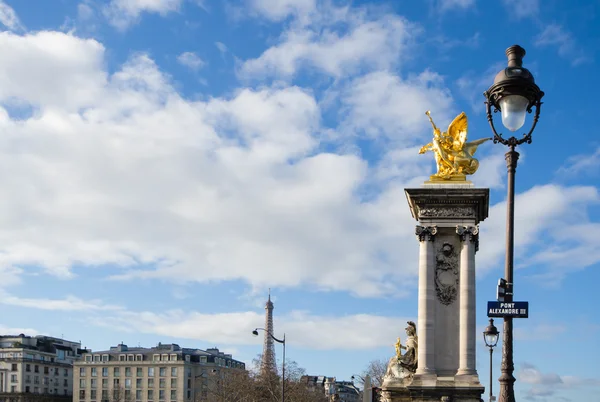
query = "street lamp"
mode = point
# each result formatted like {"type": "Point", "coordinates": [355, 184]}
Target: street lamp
{"type": "Point", "coordinates": [490, 336]}
{"type": "Point", "coordinates": [282, 341]}
{"type": "Point", "coordinates": [513, 93]}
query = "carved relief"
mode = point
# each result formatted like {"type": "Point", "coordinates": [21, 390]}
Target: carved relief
{"type": "Point", "coordinates": [446, 274]}
{"type": "Point", "coordinates": [426, 232]}
{"type": "Point", "coordinates": [470, 233]}
{"type": "Point", "coordinates": [447, 212]}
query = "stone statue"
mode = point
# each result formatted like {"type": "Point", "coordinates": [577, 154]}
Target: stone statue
{"type": "Point", "coordinates": [404, 365]}
{"type": "Point", "coordinates": [453, 154]}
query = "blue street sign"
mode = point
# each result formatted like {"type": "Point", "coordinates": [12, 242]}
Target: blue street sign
{"type": "Point", "coordinates": [518, 309]}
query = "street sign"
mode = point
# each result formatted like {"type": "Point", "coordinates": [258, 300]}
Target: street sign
{"type": "Point", "coordinates": [505, 309]}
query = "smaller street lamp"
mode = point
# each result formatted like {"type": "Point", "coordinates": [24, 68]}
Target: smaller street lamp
{"type": "Point", "coordinates": [490, 336]}
{"type": "Point", "coordinates": [282, 341]}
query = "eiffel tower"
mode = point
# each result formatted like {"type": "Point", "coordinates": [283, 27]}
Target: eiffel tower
{"type": "Point", "coordinates": [268, 365]}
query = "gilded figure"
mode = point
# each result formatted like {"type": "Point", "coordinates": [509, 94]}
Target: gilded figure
{"type": "Point", "coordinates": [453, 154]}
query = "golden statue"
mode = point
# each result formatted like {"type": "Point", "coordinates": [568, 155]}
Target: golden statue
{"type": "Point", "coordinates": [453, 154]}
{"type": "Point", "coordinates": [398, 349]}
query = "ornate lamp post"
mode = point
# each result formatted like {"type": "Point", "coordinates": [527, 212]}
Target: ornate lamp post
{"type": "Point", "coordinates": [282, 341]}
{"type": "Point", "coordinates": [490, 336]}
{"type": "Point", "coordinates": [513, 93]}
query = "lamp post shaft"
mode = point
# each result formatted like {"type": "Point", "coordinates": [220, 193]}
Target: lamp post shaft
{"type": "Point", "coordinates": [491, 352]}
{"type": "Point", "coordinates": [283, 373]}
{"type": "Point", "coordinates": [507, 380]}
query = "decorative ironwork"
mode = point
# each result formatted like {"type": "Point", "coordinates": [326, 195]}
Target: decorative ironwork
{"type": "Point", "coordinates": [268, 363]}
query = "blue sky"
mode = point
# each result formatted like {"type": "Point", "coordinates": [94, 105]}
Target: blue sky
{"type": "Point", "coordinates": [165, 162]}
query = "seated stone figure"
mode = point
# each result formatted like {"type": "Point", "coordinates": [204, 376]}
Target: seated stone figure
{"type": "Point", "coordinates": [405, 365]}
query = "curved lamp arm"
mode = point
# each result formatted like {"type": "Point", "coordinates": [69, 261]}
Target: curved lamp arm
{"type": "Point", "coordinates": [255, 333]}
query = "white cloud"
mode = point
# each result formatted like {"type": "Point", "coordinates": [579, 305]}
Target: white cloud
{"type": "Point", "coordinates": [126, 172]}
{"type": "Point", "coordinates": [556, 35]}
{"type": "Point", "coordinates": [277, 10]}
{"type": "Point", "coordinates": [69, 303]}
{"type": "Point", "coordinates": [4, 330]}
{"type": "Point", "coordinates": [337, 44]}
{"type": "Point", "coordinates": [191, 60]}
{"type": "Point", "coordinates": [9, 18]}
{"type": "Point", "coordinates": [382, 104]}
{"type": "Point", "coordinates": [123, 13]}
{"type": "Point", "coordinates": [471, 86]}
{"type": "Point", "coordinates": [522, 9]}
{"type": "Point", "coordinates": [448, 5]}
{"type": "Point", "coordinates": [51, 69]}
{"type": "Point", "coordinates": [221, 46]}
{"type": "Point", "coordinates": [581, 164]}
{"type": "Point", "coordinates": [544, 385]}
{"type": "Point", "coordinates": [309, 331]}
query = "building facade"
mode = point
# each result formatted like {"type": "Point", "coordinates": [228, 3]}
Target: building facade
{"type": "Point", "coordinates": [165, 373]}
{"type": "Point", "coordinates": [343, 391]}
{"type": "Point", "coordinates": [37, 367]}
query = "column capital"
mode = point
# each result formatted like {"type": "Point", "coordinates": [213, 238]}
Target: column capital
{"type": "Point", "coordinates": [425, 233]}
{"type": "Point", "coordinates": [470, 233]}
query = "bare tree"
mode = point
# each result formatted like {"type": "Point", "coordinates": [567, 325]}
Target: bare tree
{"type": "Point", "coordinates": [120, 394]}
{"type": "Point", "coordinates": [376, 370]}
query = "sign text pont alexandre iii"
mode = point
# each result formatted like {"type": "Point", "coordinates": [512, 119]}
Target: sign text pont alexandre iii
{"type": "Point", "coordinates": [519, 309]}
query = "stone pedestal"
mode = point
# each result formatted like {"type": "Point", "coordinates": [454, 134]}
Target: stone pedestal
{"type": "Point", "coordinates": [448, 233]}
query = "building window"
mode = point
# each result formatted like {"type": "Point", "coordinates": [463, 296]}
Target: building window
{"type": "Point", "coordinates": [81, 372]}
{"type": "Point", "coordinates": [36, 379]}
{"type": "Point", "coordinates": [14, 367]}
{"type": "Point", "coordinates": [13, 378]}
{"type": "Point", "coordinates": [82, 383]}
{"type": "Point", "coordinates": [138, 358]}
{"type": "Point", "coordinates": [115, 382]}
{"type": "Point", "coordinates": [104, 358]}
{"type": "Point", "coordinates": [104, 371]}
{"type": "Point", "coordinates": [161, 394]}
{"type": "Point", "coordinates": [65, 372]}
{"type": "Point", "coordinates": [173, 382]}
{"type": "Point", "coordinates": [93, 394]}
{"type": "Point", "coordinates": [128, 383]}
{"type": "Point", "coordinates": [105, 383]}
{"type": "Point", "coordinates": [173, 395]}
{"type": "Point", "coordinates": [127, 394]}
{"type": "Point", "coordinates": [104, 394]}
{"type": "Point", "coordinates": [27, 389]}
{"type": "Point", "coordinates": [46, 381]}
{"type": "Point", "coordinates": [173, 357]}
{"type": "Point", "coordinates": [150, 394]}
{"type": "Point", "coordinates": [36, 369]}
{"type": "Point", "coordinates": [127, 371]}
{"type": "Point", "coordinates": [36, 390]}
{"type": "Point", "coordinates": [150, 371]}
{"type": "Point", "coordinates": [56, 371]}
{"type": "Point", "coordinates": [46, 371]}
{"type": "Point", "coordinates": [156, 358]}
{"type": "Point", "coordinates": [94, 372]}
{"type": "Point", "coordinates": [150, 382]}
{"type": "Point", "coordinates": [82, 394]}
{"type": "Point", "coordinates": [189, 394]}
{"type": "Point", "coordinates": [88, 358]}
{"type": "Point", "coordinates": [116, 371]}
{"type": "Point", "coordinates": [138, 395]}
{"type": "Point", "coordinates": [94, 383]}
{"type": "Point", "coordinates": [173, 371]}
{"type": "Point", "coordinates": [28, 367]}
{"type": "Point", "coordinates": [130, 358]}
{"type": "Point", "coordinates": [138, 383]}
{"type": "Point", "coordinates": [139, 372]}
{"type": "Point", "coordinates": [161, 383]}
{"type": "Point", "coordinates": [27, 378]}
{"type": "Point", "coordinates": [65, 383]}
{"type": "Point", "coordinates": [162, 371]}
{"type": "Point", "coordinates": [96, 358]}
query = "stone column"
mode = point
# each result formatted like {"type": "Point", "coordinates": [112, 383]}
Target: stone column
{"type": "Point", "coordinates": [469, 236]}
{"type": "Point", "coordinates": [425, 326]}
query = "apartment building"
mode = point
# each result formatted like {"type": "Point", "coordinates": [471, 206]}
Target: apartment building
{"type": "Point", "coordinates": [36, 367]}
{"type": "Point", "coordinates": [165, 373]}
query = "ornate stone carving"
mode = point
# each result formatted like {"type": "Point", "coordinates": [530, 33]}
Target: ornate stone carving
{"type": "Point", "coordinates": [446, 212]}
{"type": "Point", "coordinates": [470, 233]}
{"type": "Point", "coordinates": [446, 274]}
{"type": "Point", "coordinates": [426, 232]}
